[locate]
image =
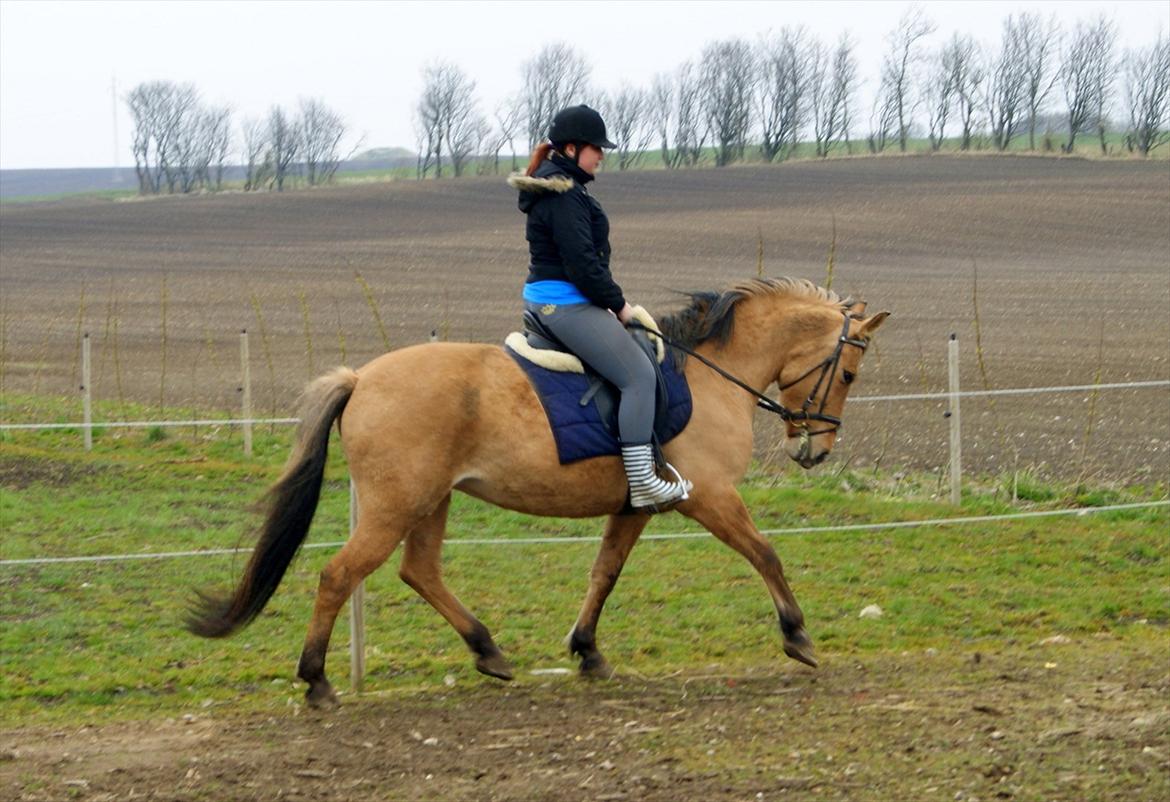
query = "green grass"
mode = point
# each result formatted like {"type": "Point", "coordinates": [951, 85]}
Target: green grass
{"type": "Point", "coordinates": [81, 640]}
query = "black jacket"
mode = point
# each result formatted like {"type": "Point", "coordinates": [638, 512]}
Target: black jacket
{"type": "Point", "coordinates": [567, 231]}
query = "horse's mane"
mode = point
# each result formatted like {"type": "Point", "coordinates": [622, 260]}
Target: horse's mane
{"type": "Point", "coordinates": [711, 314]}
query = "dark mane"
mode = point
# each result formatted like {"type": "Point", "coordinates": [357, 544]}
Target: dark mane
{"type": "Point", "coordinates": [711, 315]}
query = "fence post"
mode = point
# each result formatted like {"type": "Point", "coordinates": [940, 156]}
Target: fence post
{"type": "Point", "coordinates": [86, 394]}
{"type": "Point", "coordinates": [246, 392]}
{"type": "Point", "coordinates": [953, 414]}
{"type": "Point", "coordinates": [357, 618]}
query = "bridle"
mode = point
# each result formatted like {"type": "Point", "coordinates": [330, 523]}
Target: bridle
{"type": "Point", "coordinates": [802, 417]}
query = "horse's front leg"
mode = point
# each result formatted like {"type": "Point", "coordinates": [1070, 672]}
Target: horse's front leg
{"type": "Point", "coordinates": [621, 533]}
{"type": "Point", "coordinates": [724, 515]}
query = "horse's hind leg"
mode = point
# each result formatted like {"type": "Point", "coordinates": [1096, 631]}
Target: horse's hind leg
{"type": "Point", "coordinates": [422, 569]}
{"type": "Point", "coordinates": [621, 533]}
{"type": "Point", "coordinates": [372, 542]}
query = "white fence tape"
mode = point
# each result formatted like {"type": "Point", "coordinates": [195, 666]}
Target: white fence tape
{"type": "Point", "coordinates": [1078, 388]}
{"type": "Point", "coordinates": [146, 424]}
{"type": "Point", "coordinates": [529, 541]}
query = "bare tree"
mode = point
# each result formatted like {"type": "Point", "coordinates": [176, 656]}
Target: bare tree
{"type": "Point", "coordinates": [556, 77]}
{"type": "Point", "coordinates": [786, 69]}
{"type": "Point", "coordinates": [202, 144]}
{"type": "Point", "coordinates": [897, 101]}
{"type": "Point", "coordinates": [627, 115]}
{"type": "Point", "coordinates": [1007, 83]}
{"type": "Point", "coordinates": [1147, 95]}
{"type": "Point", "coordinates": [968, 75]}
{"type": "Point", "coordinates": [321, 130]}
{"type": "Point", "coordinates": [939, 94]}
{"type": "Point", "coordinates": [1085, 73]}
{"type": "Point", "coordinates": [255, 135]}
{"type": "Point", "coordinates": [447, 116]}
{"type": "Point", "coordinates": [727, 88]}
{"type": "Point", "coordinates": [466, 133]}
{"type": "Point", "coordinates": [677, 111]}
{"type": "Point", "coordinates": [1039, 42]}
{"type": "Point", "coordinates": [883, 119]}
{"type": "Point", "coordinates": [830, 92]}
{"type": "Point", "coordinates": [509, 116]}
{"type": "Point", "coordinates": [218, 132]}
{"type": "Point", "coordinates": [176, 139]}
{"type": "Point", "coordinates": [283, 141]}
{"type": "Point", "coordinates": [662, 115]}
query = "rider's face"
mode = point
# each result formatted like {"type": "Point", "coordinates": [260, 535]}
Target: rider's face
{"type": "Point", "coordinates": [589, 159]}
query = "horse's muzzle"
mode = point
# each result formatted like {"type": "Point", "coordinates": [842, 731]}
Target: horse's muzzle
{"type": "Point", "coordinates": [803, 451]}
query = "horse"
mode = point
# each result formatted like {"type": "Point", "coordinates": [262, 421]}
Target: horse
{"type": "Point", "coordinates": [421, 422]}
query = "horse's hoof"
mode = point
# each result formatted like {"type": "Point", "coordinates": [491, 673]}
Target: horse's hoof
{"type": "Point", "coordinates": [494, 665]}
{"type": "Point", "coordinates": [596, 667]}
{"type": "Point", "coordinates": [322, 697]}
{"type": "Point", "coordinates": [800, 647]}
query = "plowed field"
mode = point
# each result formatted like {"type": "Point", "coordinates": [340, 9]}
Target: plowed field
{"type": "Point", "coordinates": [1072, 259]}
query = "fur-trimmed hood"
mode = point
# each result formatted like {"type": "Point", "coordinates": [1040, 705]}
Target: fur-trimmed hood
{"type": "Point", "coordinates": [535, 185]}
{"type": "Point", "coordinates": [556, 175]}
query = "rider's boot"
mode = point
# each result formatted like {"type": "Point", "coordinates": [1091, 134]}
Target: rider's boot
{"type": "Point", "coordinates": [649, 492]}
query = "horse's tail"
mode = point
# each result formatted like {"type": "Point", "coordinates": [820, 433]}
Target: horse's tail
{"type": "Point", "coordinates": [291, 503]}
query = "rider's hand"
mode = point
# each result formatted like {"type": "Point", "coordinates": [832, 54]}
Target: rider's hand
{"type": "Point", "coordinates": [626, 314]}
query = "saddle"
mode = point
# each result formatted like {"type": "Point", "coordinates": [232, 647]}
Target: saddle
{"type": "Point", "coordinates": [556, 373]}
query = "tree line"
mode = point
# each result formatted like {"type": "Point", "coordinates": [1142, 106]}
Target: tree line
{"type": "Point", "coordinates": [735, 98]}
{"type": "Point", "coordinates": [790, 87]}
{"type": "Point", "coordinates": [181, 144]}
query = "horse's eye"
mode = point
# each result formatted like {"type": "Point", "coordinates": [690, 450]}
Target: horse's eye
{"type": "Point", "coordinates": [848, 376]}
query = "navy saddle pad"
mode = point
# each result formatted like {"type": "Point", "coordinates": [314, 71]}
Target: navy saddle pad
{"type": "Point", "coordinates": [580, 429]}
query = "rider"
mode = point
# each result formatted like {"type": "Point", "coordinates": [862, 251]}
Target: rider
{"type": "Point", "coordinates": [571, 289]}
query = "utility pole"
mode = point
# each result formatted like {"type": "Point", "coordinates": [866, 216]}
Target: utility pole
{"type": "Point", "coordinates": [114, 118]}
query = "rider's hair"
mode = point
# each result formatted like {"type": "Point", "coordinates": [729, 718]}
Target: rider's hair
{"type": "Point", "coordinates": [538, 156]}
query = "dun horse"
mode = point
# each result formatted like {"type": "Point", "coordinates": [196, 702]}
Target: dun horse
{"type": "Point", "coordinates": [421, 422]}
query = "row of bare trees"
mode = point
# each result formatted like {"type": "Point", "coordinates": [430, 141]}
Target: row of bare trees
{"type": "Point", "coordinates": [790, 88]}
{"type": "Point", "coordinates": [179, 143]}
{"type": "Point", "coordinates": [182, 145]}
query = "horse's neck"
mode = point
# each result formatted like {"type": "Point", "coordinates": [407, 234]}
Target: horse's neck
{"type": "Point", "coordinates": [766, 332]}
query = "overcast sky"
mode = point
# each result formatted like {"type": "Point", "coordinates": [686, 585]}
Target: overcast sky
{"type": "Point", "coordinates": [59, 61]}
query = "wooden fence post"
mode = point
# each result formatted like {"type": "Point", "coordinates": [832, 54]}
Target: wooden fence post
{"type": "Point", "coordinates": [246, 392]}
{"type": "Point", "coordinates": [953, 414]}
{"type": "Point", "coordinates": [357, 618]}
{"type": "Point", "coordinates": [86, 393]}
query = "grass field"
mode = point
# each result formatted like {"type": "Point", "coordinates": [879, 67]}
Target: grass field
{"type": "Point", "coordinates": [103, 642]}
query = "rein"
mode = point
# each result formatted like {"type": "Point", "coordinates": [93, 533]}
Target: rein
{"type": "Point", "coordinates": [828, 368]}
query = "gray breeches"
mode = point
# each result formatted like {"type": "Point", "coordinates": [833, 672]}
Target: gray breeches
{"type": "Point", "coordinates": [603, 343]}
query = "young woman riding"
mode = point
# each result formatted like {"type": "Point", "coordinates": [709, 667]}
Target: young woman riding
{"type": "Point", "coordinates": [571, 289]}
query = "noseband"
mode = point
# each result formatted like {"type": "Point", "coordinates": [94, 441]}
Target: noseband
{"type": "Point", "coordinates": [802, 417]}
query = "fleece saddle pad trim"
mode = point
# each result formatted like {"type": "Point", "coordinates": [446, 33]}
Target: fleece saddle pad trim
{"type": "Point", "coordinates": [579, 430]}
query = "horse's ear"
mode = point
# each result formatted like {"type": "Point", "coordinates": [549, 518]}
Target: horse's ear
{"type": "Point", "coordinates": [857, 311]}
{"type": "Point", "coordinates": [871, 324]}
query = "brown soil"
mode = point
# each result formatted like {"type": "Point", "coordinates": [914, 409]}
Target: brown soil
{"type": "Point", "coordinates": [1073, 261]}
{"type": "Point", "coordinates": [1054, 722]}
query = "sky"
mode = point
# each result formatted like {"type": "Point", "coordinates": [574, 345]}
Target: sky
{"type": "Point", "coordinates": [65, 67]}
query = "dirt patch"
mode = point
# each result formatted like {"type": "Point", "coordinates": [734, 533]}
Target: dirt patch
{"type": "Point", "coordinates": [17, 473]}
{"type": "Point", "coordinates": [1056, 722]}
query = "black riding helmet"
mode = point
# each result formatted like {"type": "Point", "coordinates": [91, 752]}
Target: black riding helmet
{"type": "Point", "coordinates": [579, 124]}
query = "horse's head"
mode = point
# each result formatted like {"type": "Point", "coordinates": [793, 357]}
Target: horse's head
{"type": "Point", "coordinates": [816, 378]}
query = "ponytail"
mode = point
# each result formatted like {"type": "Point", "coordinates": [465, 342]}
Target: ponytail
{"type": "Point", "coordinates": [538, 155]}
